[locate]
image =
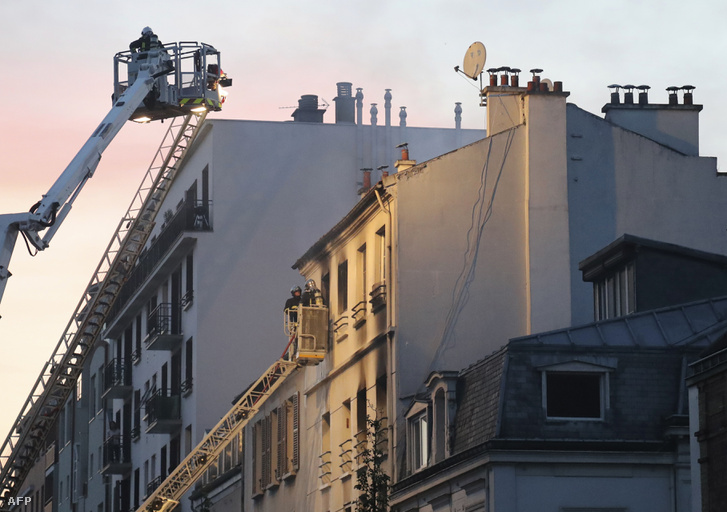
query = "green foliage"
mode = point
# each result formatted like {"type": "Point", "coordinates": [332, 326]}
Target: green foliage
{"type": "Point", "coordinates": [371, 480]}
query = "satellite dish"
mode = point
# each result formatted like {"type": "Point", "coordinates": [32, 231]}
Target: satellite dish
{"type": "Point", "coordinates": [474, 60]}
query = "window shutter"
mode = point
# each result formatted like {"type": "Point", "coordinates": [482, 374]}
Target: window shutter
{"type": "Point", "coordinates": [266, 453]}
{"type": "Point", "coordinates": [255, 475]}
{"type": "Point", "coordinates": [296, 431]}
{"type": "Point", "coordinates": [282, 440]}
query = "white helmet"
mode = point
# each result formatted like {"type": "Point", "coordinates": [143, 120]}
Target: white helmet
{"type": "Point", "coordinates": [146, 31]}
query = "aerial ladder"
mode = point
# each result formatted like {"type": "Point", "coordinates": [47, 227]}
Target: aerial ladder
{"type": "Point", "coordinates": [309, 338]}
{"type": "Point", "coordinates": [179, 81]}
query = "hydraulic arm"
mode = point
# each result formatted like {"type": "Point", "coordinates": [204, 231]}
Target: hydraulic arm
{"type": "Point", "coordinates": [45, 217]}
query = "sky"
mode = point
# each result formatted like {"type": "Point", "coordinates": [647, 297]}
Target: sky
{"type": "Point", "coordinates": [56, 80]}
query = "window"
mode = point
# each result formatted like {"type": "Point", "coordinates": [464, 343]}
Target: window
{"type": "Point", "coordinates": [189, 280]}
{"type": "Point", "coordinates": [136, 355]}
{"type": "Point", "coordinates": [79, 387]}
{"type": "Point", "coordinates": [188, 366]}
{"type": "Point", "coordinates": [361, 271]}
{"type": "Point", "coordinates": [573, 395]}
{"type": "Point", "coordinates": [575, 390]}
{"type": "Point", "coordinates": [276, 445]}
{"type": "Point", "coordinates": [419, 440]}
{"type": "Point", "coordinates": [92, 396]}
{"type": "Point", "coordinates": [614, 295]}
{"type": "Point", "coordinates": [380, 270]}
{"type": "Point", "coordinates": [343, 287]}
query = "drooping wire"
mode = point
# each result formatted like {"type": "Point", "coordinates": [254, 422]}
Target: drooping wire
{"type": "Point", "coordinates": [479, 219]}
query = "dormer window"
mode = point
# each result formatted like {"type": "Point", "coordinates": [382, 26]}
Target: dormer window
{"type": "Point", "coordinates": [575, 391]}
{"type": "Point", "coordinates": [419, 439]}
{"type": "Point", "coordinates": [613, 295]}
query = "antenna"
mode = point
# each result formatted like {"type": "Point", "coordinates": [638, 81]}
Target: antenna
{"type": "Point", "coordinates": [474, 60]}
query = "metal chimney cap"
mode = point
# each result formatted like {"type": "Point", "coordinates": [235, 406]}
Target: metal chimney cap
{"type": "Point", "coordinates": [536, 70]}
{"type": "Point", "coordinates": [688, 88]}
{"type": "Point", "coordinates": [672, 88]}
{"type": "Point", "coordinates": [614, 86]}
{"type": "Point", "coordinates": [515, 70]}
{"type": "Point", "coordinates": [629, 87]}
{"type": "Point", "coordinates": [643, 88]}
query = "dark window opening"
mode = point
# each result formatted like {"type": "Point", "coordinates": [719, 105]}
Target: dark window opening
{"type": "Point", "coordinates": [573, 395]}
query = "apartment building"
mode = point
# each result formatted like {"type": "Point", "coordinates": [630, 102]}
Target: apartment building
{"type": "Point", "coordinates": [200, 315]}
{"type": "Point", "coordinates": [441, 263]}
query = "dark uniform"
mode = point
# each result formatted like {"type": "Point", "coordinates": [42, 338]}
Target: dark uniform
{"type": "Point", "coordinates": [147, 41]}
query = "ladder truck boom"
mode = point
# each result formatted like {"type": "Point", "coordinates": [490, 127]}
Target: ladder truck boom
{"type": "Point", "coordinates": [48, 213]}
{"type": "Point", "coordinates": [178, 81]}
{"type": "Point", "coordinates": [166, 497]}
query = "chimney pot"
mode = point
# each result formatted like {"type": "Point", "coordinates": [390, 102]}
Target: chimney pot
{"type": "Point", "coordinates": [558, 86]}
{"type": "Point", "coordinates": [672, 90]}
{"type": "Point", "coordinates": [688, 98]}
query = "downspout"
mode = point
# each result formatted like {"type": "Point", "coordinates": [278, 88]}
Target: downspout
{"type": "Point", "coordinates": [391, 356]}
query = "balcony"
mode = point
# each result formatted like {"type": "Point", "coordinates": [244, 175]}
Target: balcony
{"type": "Point", "coordinates": [117, 379]}
{"type": "Point", "coordinates": [378, 296]}
{"type": "Point", "coordinates": [164, 327]}
{"type": "Point", "coordinates": [152, 486]}
{"type": "Point", "coordinates": [325, 468]}
{"type": "Point", "coordinates": [163, 413]}
{"type": "Point", "coordinates": [116, 455]}
{"type": "Point", "coordinates": [170, 245]}
{"type": "Point", "coordinates": [346, 456]}
{"type": "Point", "coordinates": [358, 312]}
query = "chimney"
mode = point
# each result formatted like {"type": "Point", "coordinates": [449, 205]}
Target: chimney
{"type": "Point", "coordinates": [404, 163]}
{"type": "Point", "coordinates": [308, 111]}
{"type": "Point", "coordinates": [345, 103]}
{"type": "Point", "coordinates": [387, 107]}
{"type": "Point", "coordinates": [615, 97]}
{"type": "Point", "coordinates": [672, 125]}
{"type": "Point", "coordinates": [366, 184]}
{"type": "Point", "coordinates": [643, 94]}
{"type": "Point", "coordinates": [629, 94]}
{"type": "Point", "coordinates": [688, 99]}
{"type": "Point", "coordinates": [359, 105]}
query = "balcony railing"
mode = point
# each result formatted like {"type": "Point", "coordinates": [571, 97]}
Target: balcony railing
{"type": "Point", "coordinates": [116, 455]}
{"type": "Point", "coordinates": [325, 468]}
{"type": "Point", "coordinates": [117, 379]}
{"type": "Point", "coordinates": [378, 296]}
{"type": "Point", "coordinates": [164, 327]}
{"type": "Point", "coordinates": [361, 444]}
{"type": "Point", "coordinates": [191, 216]}
{"type": "Point", "coordinates": [163, 413]}
{"type": "Point", "coordinates": [346, 456]}
{"type": "Point", "coordinates": [359, 314]}
{"type": "Point", "coordinates": [152, 486]}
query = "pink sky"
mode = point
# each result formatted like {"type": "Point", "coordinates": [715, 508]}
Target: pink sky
{"type": "Point", "coordinates": [57, 76]}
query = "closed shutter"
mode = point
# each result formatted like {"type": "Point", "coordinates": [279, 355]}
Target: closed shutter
{"type": "Point", "coordinates": [296, 431]}
{"type": "Point", "coordinates": [282, 441]}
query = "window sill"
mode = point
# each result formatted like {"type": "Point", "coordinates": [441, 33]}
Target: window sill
{"type": "Point", "coordinates": [289, 475]}
{"type": "Point", "coordinates": [561, 419]}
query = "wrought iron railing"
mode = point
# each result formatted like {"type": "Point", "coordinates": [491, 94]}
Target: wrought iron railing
{"type": "Point", "coordinates": [191, 216]}
{"type": "Point", "coordinates": [117, 373]}
{"type": "Point", "coordinates": [162, 406]}
{"type": "Point", "coordinates": [163, 320]}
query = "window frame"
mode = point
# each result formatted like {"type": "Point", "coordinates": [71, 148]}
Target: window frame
{"type": "Point", "coordinates": [419, 436]}
{"type": "Point", "coordinates": [576, 368]}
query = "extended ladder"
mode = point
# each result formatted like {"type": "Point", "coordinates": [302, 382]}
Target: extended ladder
{"type": "Point", "coordinates": [60, 374]}
{"type": "Point", "coordinates": [166, 496]}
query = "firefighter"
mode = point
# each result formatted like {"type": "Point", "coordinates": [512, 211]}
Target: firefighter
{"type": "Point", "coordinates": [291, 305]}
{"type": "Point", "coordinates": [312, 295]}
{"type": "Point", "coordinates": [147, 41]}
